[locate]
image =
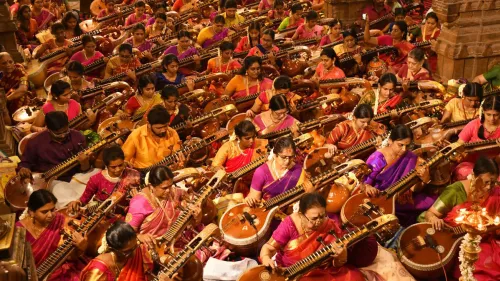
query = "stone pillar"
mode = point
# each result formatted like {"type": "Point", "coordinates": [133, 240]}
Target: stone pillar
{"type": "Point", "coordinates": [469, 43]}
{"type": "Point", "coordinates": [7, 36]}
{"type": "Point", "coordinates": [347, 11]}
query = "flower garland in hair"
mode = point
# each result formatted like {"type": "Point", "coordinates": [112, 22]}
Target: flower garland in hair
{"type": "Point", "coordinates": [385, 142]}
{"type": "Point", "coordinates": [146, 179]}
{"type": "Point", "coordinates": [375, 108]}
{"type": "Point", "coordinates": [461, 90]}
{"type": "Point", "coordinates": [481, 111]}
{"type": "Point", "coordinates": [232, 137]}
{"type": "Point", "coordinates": [271, 155]}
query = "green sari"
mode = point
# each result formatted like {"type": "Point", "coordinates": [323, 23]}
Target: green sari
{"type": "Point", "coordinates": [453, 195]}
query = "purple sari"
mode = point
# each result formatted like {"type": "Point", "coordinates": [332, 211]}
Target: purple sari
{"type": "Point", "coordinates": [264, 182]}
{"type": "Point", "coordinates": [382, 177]}
{"type": "Point", "coordinates": [145, 46]}
{"type": "Point", "coordinates": [216, 38]}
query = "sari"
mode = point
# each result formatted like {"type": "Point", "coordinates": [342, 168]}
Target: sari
{"type": "Point", "coordinates": [27, 39]}
{"type": "Point", "coordinates": [265, 97]}
{"type": "Point", "coordinates": [215, 65]}
{"type": "Point", "coordinates": [207, 37]}
{"type": "Point", "coordinates": [453, 195]}
{"type": "Point", "coordinates": [73, 110]}
{"type": "Point", "coordinates": [259, 50]}
{"type": "Point", "coordinates": [114, 67]}
{"type": "Point", "coordinates": [422, 74]}
{"type": "Point", "coordinates": [133, 19]}
{"type": "Point", "coordinates": [136, 268]}
{"type": "Point", "coordinates": [10, 82]}
{"type": "Point", "coordinates": [43, 19]}
{"type": "Point", "coordinates": [383, 176]}
{"type": "Point", "coordinates": [370, 98]}
{"type": "Point", "coordinates": [47, 243]}
{"type": "Point", "coordinates": [404, 47]}
{"type": "Point", "coordinates": [264, 182]}
{"type": "Point", "coordinates": [232, 158]}
{"type": "Point", "coordinates": [304, 33]}
{"type": "Point", "coordinates": [458, 111]}
{"type": "Point", "coordinates": [487, 267]}
{"type": "Point", "coordinates": [470, 134]}
{"type": "Point", "coordinates": [295, 247]}
{"type": "Point", "coordinates": [82, 58]}
{"type": "Point", "coordinates": [333, 73]}
{"type": "Point", "coordinates": [136, 105]}
{"type": "Point", "coordinates": [265, 5]}
{"type": "Point", "coordinates": [147, 45]}
{"type": "Point", "coordinates": [101, 185]}
{"type": "Point", "coordinates": [162, 81]}
{"type": "Point", "coordinates": [325, 40]}
{"type": "Point", "coordinates": [263, 128]}
{"type": "Point", "coordinates": [431, 55]}
{"type": "Point", "coordinates": [239, 84]}
{"type": "Point", "coordinates": [286, 23]}
{"type": "Point", "coordinates": [273, 14]}
{"type": "Point", "coordinates": [343, 135]}
{"type": "Point", "coordinates": [243, 45]}
{"type": "Point", "coordinates": [349, 69]}
{"type": "Point", "coordinates": [191, 51]}
{"type": "Point", "coordinates": [58, 65]}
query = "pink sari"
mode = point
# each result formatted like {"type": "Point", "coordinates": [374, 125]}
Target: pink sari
{"type": "Point", "coordinates": [286, 123]}
{"type": "Point", "coordinates": [47, 243]}
{"type": "Point", "coordinates": [73, 110]}
{"type": "Point", "coordinates": [265, 84]}
{"type": "Point", "coordinates": [470, 134]}
{"type": "Point", "coordinates": [81, 58]}
{"type": "Point", "coordinates": [404, 47]}
{"type": "Point", "coordinates": [43, 19]}
{"type": "Point", "coordinates": [295, 247]}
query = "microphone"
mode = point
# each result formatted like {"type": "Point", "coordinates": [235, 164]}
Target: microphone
{"type": "Point", "coordinates": [429, 241]}
{"type": "Point", "coordinates": [249, 218]}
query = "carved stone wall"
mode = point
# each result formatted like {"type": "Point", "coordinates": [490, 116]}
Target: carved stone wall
{"type": "Point", "coordinates": [347, 11]}
{"type": "Point", "coordinates": [469, 43]}
{"type": "Point", "coordinates": [7, 29]}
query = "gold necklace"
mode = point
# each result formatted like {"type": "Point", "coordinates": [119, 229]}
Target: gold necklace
{"type": "Point", "coordinates": [116, 267]}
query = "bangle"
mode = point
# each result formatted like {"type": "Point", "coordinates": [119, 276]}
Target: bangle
{"type": "Point", "coordinates": [429, 181]}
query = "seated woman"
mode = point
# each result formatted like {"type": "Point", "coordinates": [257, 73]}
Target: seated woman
{"type": "Point", "coordinates": [391, 163]}
{"type": "Point", "coordinates": [350, 48]}
{"type": "Point", "coordinates": [281, 86]}
{"type": "Point", "coordinates": [490, 79]}
{"type": "Point", "coordinates": [61, 101]}
{"type": "Point", "coordinates": [71, 24]}
{"type": "Point", "coordinates": [295, 19]}
{"type": "Point", "coordinates": [89, 55]}
{"type": "Point", "coordinates": [301, 234]}
{"type": "Point", "coordinates": [397, 39]}
{"type": "Point", "coordinates": [170, 74]}
{"type": "Point", "coordinates": [249, 81]}
{"type": "Point", "coordinates": [124, 259]}
{"type": "Point", "coordinates": [430, 31]}
{"type": "Point", "coordinates": [139, 15]}
{"type": "Point", "coordinates": [265, 5]}
{"type": "Point", "coordinates": [74, 76]}
{"type": "Point", "coordinates": [159, 27]}
{"type": "Point", "coordinates": [43, 231]}
{"type": "Point", "coordinates": [181, 6]}
{"type": "Point", "coordinates": [277, 175]}
{"type": "Point", "coordinates": [26, 29]}
{"type": "Point", "coordinates": [214, 33]}
{"type": "Point", "coordinates": [58, 43]}
{"type": "Point", "coordinates": [139, 41]}
{"type": "Point", "coordinates": [399, 15]}
{"type": "Point", "coordinates": [179, 112]}
{"type": "Point", "coordinates": [465, 106]}
{"type": "Point", "coordinates": [335, 33]}
{"type": "Point", "coordinates": [278, 12]}
{"type": "Point", "coordinates": [326, 68]}
{"type": "Point", "coordinates": [277, 118]}
{"type": "Point", "coordinates": [124, 62]}
{"type": "Point", "coordinates": [252, 39]}
{"type": "Point", "coordinates": [266, 47]}
{"type": "Point", "coordinates": [145, 98]}
{"type": "Point", "coordinates": [153, 210]}
{"type": "Point", "coordinates": [353, 132]}
{"type": "Point", "coordinates": [184, 49]}
{"type": "Point", "coordinates": [15, 83]}
{"type": "Point", "coordinates": [116, 177]}
{"type": "Point", "coordinates": [486, 127]}
{"type": "Point", "coordinates": [416, 67]}
{"type": "Point", "coordinates": [240, 151]}
{"type": "Point", "coordinates": [102, 8]}
{"type": "Point", "coordinates": [225, 62]}
{"type": "Point", "coordinates": [383, 98]}
{"type": "Point", "coordinates": [310, 29]}
{"type": "Point", "coordinates": [478, 188]}
{"type": "Point", "coordinates": [44, 18]}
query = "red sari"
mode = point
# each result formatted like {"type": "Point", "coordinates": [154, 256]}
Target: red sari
{"type": "Point", "coordinates": [404, 47]}
{"type": "Point", "coordinates": [343, 135]}
{"type": "Point", "coordinates": [47, 243]}
{"type": "Point", "coordinates": [135, 269]}
{"type": "Point", "coordinates": [431, 55]}
{"type": "Point", "coordinates": [10, 82]}
{"type": "Point", "coordinates": [487, 267]}
{"type": "Point", "coordinates": [422, 74]}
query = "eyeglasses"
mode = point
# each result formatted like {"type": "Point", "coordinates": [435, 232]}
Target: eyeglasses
{"type": "Point", "coordinates": [289, 158]}
{"type": "Point", "coordinates": [315, 220]}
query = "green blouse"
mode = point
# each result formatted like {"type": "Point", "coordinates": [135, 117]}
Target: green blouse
{"type": "Point", "coordinates": [453, 195]}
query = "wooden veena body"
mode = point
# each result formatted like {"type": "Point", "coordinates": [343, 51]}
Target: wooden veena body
{"type": "Point", "coordinates": [357, 208]}
{"type": "Point", "coordinates": [248, 228]}
{"type": "Point", "coordinates": [297, 270]}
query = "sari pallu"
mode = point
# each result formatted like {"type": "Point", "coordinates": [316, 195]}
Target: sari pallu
{"type": "Point", "coordinates": [487, 267]}
{"type": "Point", "coordinates": [43, 19]}
{"type": "Point", "coordinates": [343, 135]}
{"type": "Point", "coordinates": [136, 268]}
{"type": "Point", "coordinates": [264, 182]}
{"type": "Point", "coordinates": [265, 84]}
{"type": "Point", "coordinates": [135, 105]}
{"type": "Point", "coordinates": [47, 243]}
{"type": "Point", "coordinates": [216, 38]}
{"type": "Point", "coordinates": [263, 128]}
{"type": "Point", "coordinates": [296, 247]}
{"type": "Point", "coordinates": [383, 176]}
